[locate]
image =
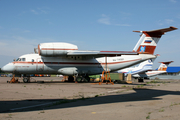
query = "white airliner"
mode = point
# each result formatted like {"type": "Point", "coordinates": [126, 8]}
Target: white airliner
{"type": "Point", "coordinates": [142, 67]}
{"type": "Point", "coordinates": [66, 59]}
{"type": "Point", "coordinates": [162, 69]}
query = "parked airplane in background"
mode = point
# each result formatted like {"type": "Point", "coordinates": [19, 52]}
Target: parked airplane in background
{"type": "Point", "coordinates": [162, 69]}
{"type": "Point", "coordinates": [66, 59]}
{"type": "Point", "coordinates": [142, 67]}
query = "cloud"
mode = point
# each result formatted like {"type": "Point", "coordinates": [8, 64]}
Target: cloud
{"type": "Point", "coordinates": [169, 21]}
{"type": "Point", "coordinates": [173, 1]}
{"type": "Point", "coordinates": [165, 22]}
{"type": "Point", "coordinates": [16, 45]}
{"type": "Point", "coordinates": [43, 10]}
{"type": "Point", "coordinates": [34, 12]}
{"type": "Point", "coordinates": [104, 20]}
{"type": "Point", "coordinates": [122, 24]}
{"type": "Point", "coordinates": [2, 44]}
{"type": "Point", "coordinates": [40, 11]}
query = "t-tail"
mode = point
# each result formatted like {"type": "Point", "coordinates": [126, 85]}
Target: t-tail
{"type": "Point", "coordinates": [163, 66]}
{"type": "Point", "coordinates": [149, 39]}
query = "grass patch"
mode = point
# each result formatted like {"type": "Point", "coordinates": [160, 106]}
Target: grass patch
{"type": "Point", "coordinates": [161, 110]}
{"type": "Point", "coordinates": [148, 117]}
{"type": "Point", "coordinates": [140, 86]}
{"type": "Point", "coordinates": [96, 96]}
{"type": "Point", "coordinates": [10, 115]}
{"type": "Point", "coordinates": [172, 104]}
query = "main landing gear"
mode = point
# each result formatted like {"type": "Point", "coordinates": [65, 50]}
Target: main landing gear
{"type": "Point", "coordinates": [140, 79]}
{"type": "Point", "coordinates": [26, 79]}
{"type": "Point", "coordinates": [82, 79]}
{"type": "Point", "coordinates": [79, 79]}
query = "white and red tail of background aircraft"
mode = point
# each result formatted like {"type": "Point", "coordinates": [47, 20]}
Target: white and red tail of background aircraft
{"type": "Point", "coordinates": [162, 69]}
{"type": "Point", "coordinates": [66, 59]}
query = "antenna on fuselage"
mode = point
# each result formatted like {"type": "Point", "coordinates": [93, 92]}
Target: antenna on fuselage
{"type": "Point", "coordinates": [36, 50]}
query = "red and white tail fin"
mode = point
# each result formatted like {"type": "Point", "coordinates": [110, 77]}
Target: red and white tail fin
{"type": "Point", "coordinates": [149, 39]}
{"type": "Point", "coordinates": [163, 66]}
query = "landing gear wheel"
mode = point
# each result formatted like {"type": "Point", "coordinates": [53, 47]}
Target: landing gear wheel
{"type": "Point", "coordinates": [140, 80]}
{"type": "Point", "coordinates": [70, 79]}
{"type": "Point", "coordinates": [86, 79]}
{"type": "Point", "coordinates": [26, 79]}
{"type": "Point", "coordinates": [78, 79]}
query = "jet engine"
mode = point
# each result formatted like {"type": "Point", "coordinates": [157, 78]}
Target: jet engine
{"type": "Point", "coordinates": [55, 49]}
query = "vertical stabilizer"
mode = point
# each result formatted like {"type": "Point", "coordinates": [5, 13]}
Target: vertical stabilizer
{"type": "Point", "coordinates": [163, 66]}
{"type": "Point", "coordinates": [149, 39]}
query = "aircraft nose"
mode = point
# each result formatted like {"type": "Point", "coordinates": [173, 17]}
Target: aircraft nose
{"type": "Point", "coordinates": [7, 68]}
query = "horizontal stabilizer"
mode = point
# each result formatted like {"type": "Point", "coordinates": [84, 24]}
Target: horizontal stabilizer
{"type": "Point", "coordinates": [166, 62]}
{"type": "Point", "coordinates": [160, 31]}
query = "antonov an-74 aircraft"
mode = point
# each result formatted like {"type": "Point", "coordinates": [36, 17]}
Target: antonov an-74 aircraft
{"type": "Point", "coordinates": [66, 59]}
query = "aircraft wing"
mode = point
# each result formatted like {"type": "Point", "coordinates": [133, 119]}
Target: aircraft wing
{"type": "Point", "coordinates": [66, 49]}
{"type": "Point", "coordinates": [100, 53]}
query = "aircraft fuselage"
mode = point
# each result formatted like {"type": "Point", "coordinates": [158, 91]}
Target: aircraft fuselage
{"type": "Point", "coordinates": [72, 65]}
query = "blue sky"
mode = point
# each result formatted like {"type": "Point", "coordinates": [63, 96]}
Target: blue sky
{"type": "Point", "coordinates": [89, 24]}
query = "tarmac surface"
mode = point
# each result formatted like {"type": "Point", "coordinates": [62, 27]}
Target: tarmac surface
{"type": "Point", "coordinates": [53, 99]}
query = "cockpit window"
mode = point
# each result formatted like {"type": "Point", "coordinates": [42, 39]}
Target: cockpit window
{"type": "Point", "coordinates": [19, 59]}
{"type": "Point", "coordinates": [23, 59]}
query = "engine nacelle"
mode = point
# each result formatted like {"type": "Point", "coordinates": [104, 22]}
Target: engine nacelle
{"type": "Point", "coordinates": [68, 71]}
{"type": "Point", "coordinates": [55, 49]}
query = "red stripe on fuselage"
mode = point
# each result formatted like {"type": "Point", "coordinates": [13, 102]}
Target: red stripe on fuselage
{"type": "Point", "coordinates": [56, 49]}
{"type": "Point", "coordinates": [118, 51]}
{"type": "Point", "coordinates": [76, 63]}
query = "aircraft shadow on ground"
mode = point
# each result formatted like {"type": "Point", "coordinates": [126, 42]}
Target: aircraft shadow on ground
{"type": "Point", "coordinates": [139, 95]}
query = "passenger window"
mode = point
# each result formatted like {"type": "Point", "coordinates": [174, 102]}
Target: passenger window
{"type": "Point", "coordinates": [32, 60]}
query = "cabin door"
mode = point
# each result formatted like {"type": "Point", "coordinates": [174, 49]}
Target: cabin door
{"type": "Point", "coordinates": [40, 64]}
